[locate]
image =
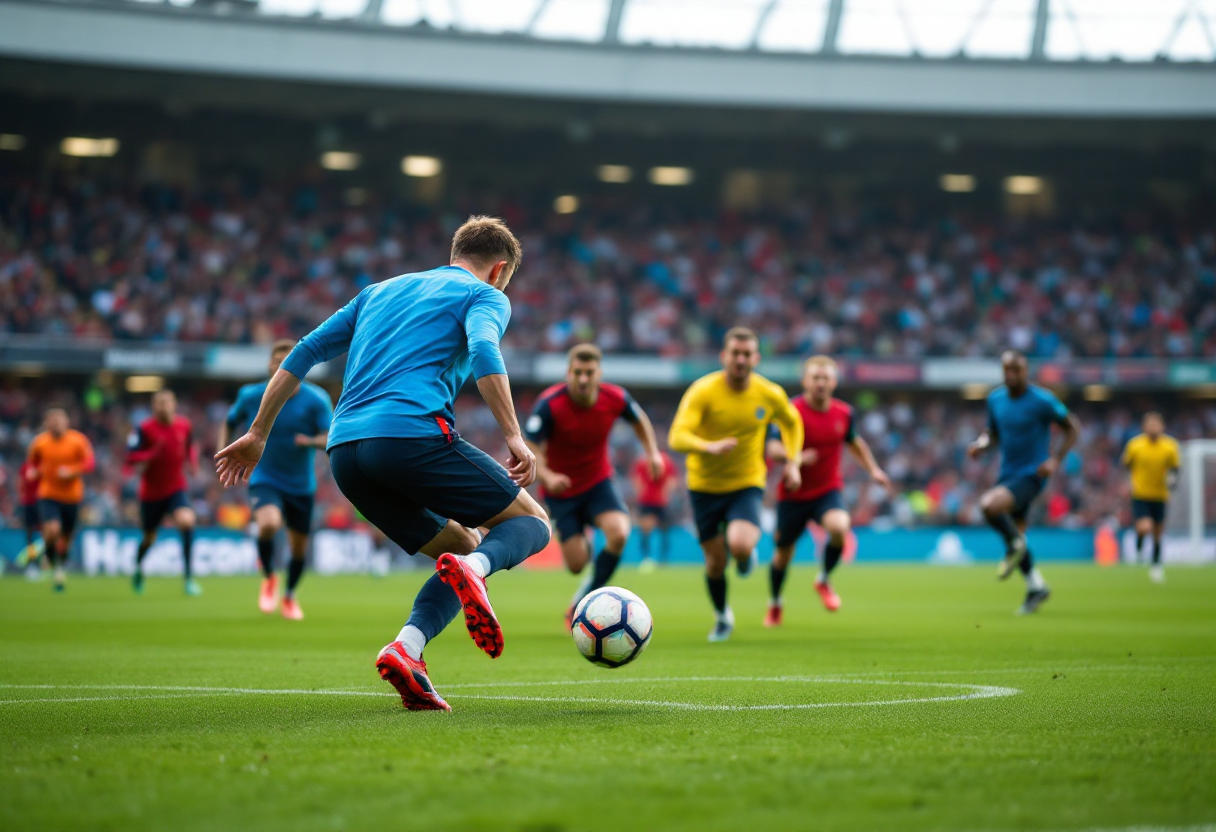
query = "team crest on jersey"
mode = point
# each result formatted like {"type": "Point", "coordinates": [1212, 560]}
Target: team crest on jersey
{"type": "Point", "coordinates": [760, 411]}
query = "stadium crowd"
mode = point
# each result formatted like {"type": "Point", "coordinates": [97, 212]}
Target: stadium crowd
{"type": "Point", "coordinates": [237, 265]}
{"type": "Point", "coordinates": [920, 441]}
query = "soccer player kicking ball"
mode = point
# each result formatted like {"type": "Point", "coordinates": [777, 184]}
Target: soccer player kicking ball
{"type": "Point", "coordinates": [827, 425]}
{"type": "Point", "coordinates": [164, 444]}
{"type": "Point", "coordinates": [59, 458]}
{"type": "Point", "coordinates": [283, 485]}
{"type": "Point", "coordinates": [1020, 416]}
{"type": "Point", "coordinates": [393, 447]}
{"type": "Point", "coordinates": [721, 424]}
{"type": "Point", "coordinates": [1152, 459]}
{"type": "Point", "coordinates": [568, 431]}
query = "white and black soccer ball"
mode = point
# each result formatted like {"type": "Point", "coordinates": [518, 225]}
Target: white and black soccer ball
{"type": "Point", "coordinates": [611, 626]}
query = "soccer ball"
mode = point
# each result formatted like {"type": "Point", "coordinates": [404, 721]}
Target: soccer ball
{"type": "Point", "coordinates": [611, 626]}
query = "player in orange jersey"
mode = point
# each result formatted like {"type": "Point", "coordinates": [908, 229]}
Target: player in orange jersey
{"type": "Point", "coordinates": [59, 458]}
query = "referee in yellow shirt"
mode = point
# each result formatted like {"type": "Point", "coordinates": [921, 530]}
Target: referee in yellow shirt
{"type": "Point", "coordinates": [721, 425]}
{"type": "Point", "coordinates": [1152, 458]}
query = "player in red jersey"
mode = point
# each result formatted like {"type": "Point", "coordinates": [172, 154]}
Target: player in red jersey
{"type": "Point", "coordinates": [654, 496]}
{"type": "Point", "coordinates": [27, 482]}
{"type": "Point", "coordinates": [828, 429]}
{"type": "Point", "coordinates": [568, 431]}
{"type": "Point", "coordinates": [164, 444]}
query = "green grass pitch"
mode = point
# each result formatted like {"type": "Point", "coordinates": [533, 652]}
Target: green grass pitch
{"type": "Point", "coordinates": [1112, 725]}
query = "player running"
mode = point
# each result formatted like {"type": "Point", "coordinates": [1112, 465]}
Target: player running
{"type": "Point", "coordinates": [164, 445]}
{"type": "Point", "coordinates": [828, 429]}
{"type": "Point", "coordinates": [721, 425]}
{"type": "Point", "coordinates": [1020, 416]}
{"type": "Point", "coordinates": [1152, 459]}
{"type": "Point", "coordinates": [654, 498]}
{"type": "Point", "coordinates": [283, 485]}
{"type": "Point", "coordinates": [393, 448]}
{"type": "Point", "coordinates": [59, 458]}
{"type": "Point", "coordinates": [568, 432]}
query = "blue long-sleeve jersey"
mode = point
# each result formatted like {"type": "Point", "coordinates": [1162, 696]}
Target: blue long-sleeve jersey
{"type": "Point", "coordinates": [412, 342]}
{"type": "Point", "coordinates": [1022, 425]}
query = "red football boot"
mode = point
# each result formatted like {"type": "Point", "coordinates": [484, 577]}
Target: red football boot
{"type": "Point", "coordinates": [773, 617]}
{"type": "Point", "coordinates": [479, 616]}
{"type": "Point", "coordinates": [831, 601]}
{"type": "Point", "coordinates": [409, 677]}
{"type": "Point", "coordinates": [268, 598]}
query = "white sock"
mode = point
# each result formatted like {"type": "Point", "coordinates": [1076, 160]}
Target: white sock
{"type": "Point", "coordinates": [821, 578]}
{"type": "Point", "coordinates": [1034, 581]}
{"type": "Point", "coordinates": [727, 615]}
{"type": "Point", "coordinates": [414, 641]}
{"type": "Point", "coordinates": [479, 562]}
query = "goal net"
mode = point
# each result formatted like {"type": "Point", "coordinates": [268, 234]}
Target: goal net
{"type": "Point", "coordinates": [1190, 525]}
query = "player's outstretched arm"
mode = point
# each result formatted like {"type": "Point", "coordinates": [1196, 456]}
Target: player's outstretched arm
{"type": "Point", "coordinates": [792, 439]}
{"type": "Point", "coordinates": [495, 388]}
{"type": "Point", "coordinates": [644, 429]}
{"type": "Point", "coordinates": [683, 438]}
{"type": "Point", "coordinates": [236, 462]}
{"type": "Point", "coordinates": [860, 449]}
{"type": "Point", "coordinates": [1071, 427]}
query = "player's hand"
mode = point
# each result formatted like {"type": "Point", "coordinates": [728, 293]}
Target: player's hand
{"type": "Point", "coordinates": [556, 484]}
{"type": "Point", "coordinates": [1048, 467]}
{"type": "Point", "coordinates": [234, 464]}
{"type": "Point", "coordinates": [521, 465]}
{"type": "Point", "coordinates": [303, 440]}
{"type": "Point", "coordinates": [793, 476]}
{"type": "Point", "coordinates": [656, 467]}
{"type": "Point", "coordinates": [809, 456]}
{"type": "Point", "coordinates": [32, 474]}
{"type": "Point", "coordinates": [881, 478]}
{"type": "Point", "coordinates": [976, 448]}
{"type": "Point", "coordinates": [721, 446]}
{"type": "Point", "coordinates": [65, 472]}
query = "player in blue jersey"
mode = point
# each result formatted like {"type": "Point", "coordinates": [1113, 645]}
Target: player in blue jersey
{"type": "Point", "coordinates": [282, 487]}
{"type": "Point", "coordinates": [1020, 416]}
{"type": "Point", "coordinates": [411, 343]}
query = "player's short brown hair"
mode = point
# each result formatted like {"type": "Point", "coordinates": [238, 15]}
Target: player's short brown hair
{"type": "Point", "coordinates": [584, 352]}
{"type": "Point", "coordinates": [740, 333]}
{"type": "Point", "coordinates": [821, 361]}
{"type": "Point", "coordinates": [485, 241]}
{"type": "Point", "coordinates": [282, 344]}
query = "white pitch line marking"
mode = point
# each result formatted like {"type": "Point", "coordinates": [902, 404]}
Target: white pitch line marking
{"type": "Point", "coordinates": [969, 691]}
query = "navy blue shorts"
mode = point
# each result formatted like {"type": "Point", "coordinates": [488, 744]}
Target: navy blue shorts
{"type": "Point", "coordinates": [713, 511]}
{"type": "Point", "coordinates": [659, 513]}
{"type": "Point", "coordinates": [571, 515]}
{"type": "Point", "coordinates": [410, 488]}
{"type": "Point", "coordinates": [153, 512]}
{"type": "Point", "coordinates": [793, 515]}
{"type": "Point", "coordinates": [31, 517]}
{"type": "Point", "coordinates": [1024, 490]}
{"type": "Point", "coordinates": [295, 508]}
{"type": "Point", "coordinates": [65, 513]}
{"type": "Point", "coordinates": [1152, 509]}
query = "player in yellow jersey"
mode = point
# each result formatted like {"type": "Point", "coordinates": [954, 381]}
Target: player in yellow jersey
{"type": "Point", "coordinates": [1152, 458]}
{"type": "Point", "coordinates": [721, 425]}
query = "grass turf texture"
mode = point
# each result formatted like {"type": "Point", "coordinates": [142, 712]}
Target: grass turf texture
{"type": "Point", "coordinates": [1113, 725]}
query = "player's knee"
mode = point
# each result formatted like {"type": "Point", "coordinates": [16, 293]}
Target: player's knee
{"type": "Point", "coordinates": [837, 526]}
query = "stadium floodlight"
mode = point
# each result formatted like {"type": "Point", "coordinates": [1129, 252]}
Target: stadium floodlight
{"type": "Point", "coordinates": [565, 204]}
{"type": "Point", "coordinates": [1023, 185]}
{"type": "Point", "coordinates": [340, 160]}
{"type": "Point", "coordinates": [144, 384]}
{"type": "Point", "coordinates": [11, 141]}
{"type": "Point", "coordinates": [86, 147]}
{"type": "Point", "coordinates": [616, 174]}
{"type": "Point", "coordinates": [957, 183]}
{"type": "Point", "coordinates": [421, 166]}
{"type": "Point", "coordinates": [670, 176]}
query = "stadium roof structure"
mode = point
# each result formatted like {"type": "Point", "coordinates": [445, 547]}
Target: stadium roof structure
{"type": "Point", "coordinates": [1069, 58]}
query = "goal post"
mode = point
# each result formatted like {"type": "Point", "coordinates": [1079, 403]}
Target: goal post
{"type": "Point", "coordinates": [1193, 507]}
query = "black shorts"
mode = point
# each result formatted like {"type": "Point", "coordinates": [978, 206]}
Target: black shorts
{"type": "Point", "coordinates": [712, 511]}
{"type": "Point", "coordinates": [410, 488]}
{"type": "Point", "coordinates": [570, 515]}
{"type": "Point", "coordinates": [295, 508]}
{"type": "Point", "coordinates": [1024, 490]}
{"type": "Point", "coordinates": [1152, 509]}
{"type": "Point", "coordinates": [65, 513]}
{"type": "Point", "coordinates": [153, 512]}
{"type": "Point", "coordinates": [31, 517]}
{"type": "Point", "coordinates": [793, 515]}
{"type": "Point", "coordinates": [659, 513]}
